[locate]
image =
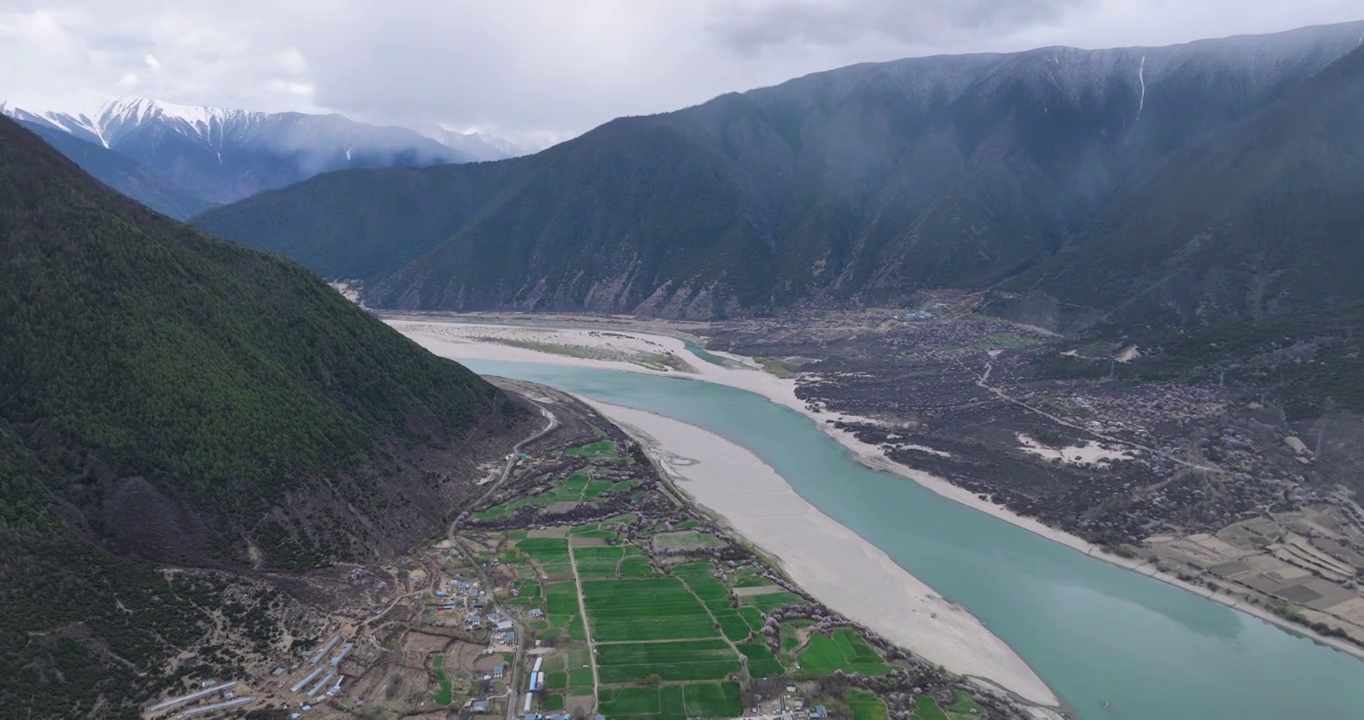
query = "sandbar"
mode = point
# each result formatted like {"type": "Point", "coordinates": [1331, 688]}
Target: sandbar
{"type": "Point", "coordinates": [460, 341]}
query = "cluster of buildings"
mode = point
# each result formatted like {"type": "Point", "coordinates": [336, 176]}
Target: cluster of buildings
{"type": "Point", "coordinates": [787, 706]}
{"type": "Point", "coordinates": [461, 594]}
{"type": "Point", "coordinates": [503, 629]}
{"type": "Point", "coordinates": [226, 700]}
{"type": "Point", "coordinates": [323, 681]}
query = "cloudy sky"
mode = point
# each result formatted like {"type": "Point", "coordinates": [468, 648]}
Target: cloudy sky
{"type": "Point", "coordinates": [546, 69]}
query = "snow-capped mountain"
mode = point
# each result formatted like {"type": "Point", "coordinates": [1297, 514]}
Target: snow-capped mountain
{"type": "Point", "coordinates": [223, 155]}
{"type": "Point", "coordinates": [479, 145]}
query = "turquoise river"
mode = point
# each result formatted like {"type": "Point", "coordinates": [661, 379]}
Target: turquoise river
{"type": "Point", "coordinates": [1094, 632]}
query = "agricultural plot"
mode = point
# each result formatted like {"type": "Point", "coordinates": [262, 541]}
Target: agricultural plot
{"type": "Point", "coordinates": [712, 700]}
{"type": "Point", "coordinates": [768, 602]}
{"type": "Point", "coordinates": [866, 706]}
{"type": "Point", "coordinates": [700, 578]}
{"type": "Point", "coordinates": [600, 450]}
{"type": "Point", "coordinates": [685, 660]}
{"type": "Point", "coordinates": [637, 566]}
{"type": "Point", "coordinates": [595, 488]}
{"type": "Point", "coordinates": [445, 691]}
{"type": "Point", "coordinates": [575, 489]}
{"type": "Point", "coordinates": [761, 662]}
{"type": "Point", "coordinates": [598, 562]}
{"type": "Point", "coordinates": [732, 625]}
{"type": "Point", "coordinates": [748, 577]}
{"type": "Point", "coordinates": [551, 554]}
{"type": "Point", "coordinates": [753, 617]}
{"type": "Point", "coordinates": [789, 640]}
{"type": "Point", "coordinates": [580, 677]}
{"type": "Point", "coordinates": [673, 702]}
{"type": "Point", "coordinates": [527, 590]}
{"type": "Point", "coordinates": [686, 540]}
{"type": "Point", "coordinates": [963, 707]}
{"type": "Point", "coordinates": [846, 651]}
{"type": "Point", "coordinates": [643, 703]}
{"type": "Point", "coordinates": [647, 609]}
{"type": "Point", "coordinates": [561, 604]}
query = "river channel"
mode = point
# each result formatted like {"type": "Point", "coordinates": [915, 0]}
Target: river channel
{"type": "Point", "coordinates": [1094, 632]}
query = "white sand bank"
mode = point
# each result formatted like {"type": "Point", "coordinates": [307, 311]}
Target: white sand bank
{"type": "Point", "coordinates": [457, 341]}
{"type": "Point", "coordinates": [825, 558]}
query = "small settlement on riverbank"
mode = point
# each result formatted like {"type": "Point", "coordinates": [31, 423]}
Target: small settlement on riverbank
{"type": "Point", "coordinates": [582, 583]}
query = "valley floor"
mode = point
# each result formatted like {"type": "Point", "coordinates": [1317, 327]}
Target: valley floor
{"type": "Point", "coordinates": [581, 581]}
{"type": "Point", "coordinates": [968, 421]}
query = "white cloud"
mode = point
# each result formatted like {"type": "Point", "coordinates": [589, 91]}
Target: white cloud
{"type": "Point", "coordinates": [291, 87]}
{"type": "Point", "coordinates": [535, 69]}
{"type": "Point", "coordinates": [292, 61]}
{"type": "Point", "coordinates": [128, 80]}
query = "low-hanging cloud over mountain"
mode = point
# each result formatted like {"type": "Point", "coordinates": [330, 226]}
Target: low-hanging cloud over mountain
{"type": "Point", "coordinates": [541, 71]}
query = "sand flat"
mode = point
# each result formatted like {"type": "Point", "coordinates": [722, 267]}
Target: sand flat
{"type": "Point", "coordinates": [828, 560]}
{"type": "Point", "coordinates": [454, 339]}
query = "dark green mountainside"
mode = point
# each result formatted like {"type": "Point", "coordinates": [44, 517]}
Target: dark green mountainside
{"type": "Point", "coordinates": [1240, 258]}
{"type": "Point", "coordinates": [169, 398]}
{"type": "Point", "coordinates": [855, 186]}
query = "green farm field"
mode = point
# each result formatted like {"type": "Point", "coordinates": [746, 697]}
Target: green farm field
{"type": "Point", "coordinates": [963, 707]}
{"type": "Point", "coordinates": [672, 702]}
{"type": "Point", "coordinates": [771, 601]}
{"type": "Point", "coordinates": [846, 651]}
{"type": "Point", "coordinates": [645, 609]}
{"type": "Point", "coordinates": [602, 449]}
{"type": "Point", "coordinates": [866, 706]}
{"type": "Point", "coordinates": [683, 660]}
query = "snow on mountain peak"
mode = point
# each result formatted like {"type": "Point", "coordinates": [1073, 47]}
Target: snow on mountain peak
{"type": "Point", "coordinates": [105, 115]}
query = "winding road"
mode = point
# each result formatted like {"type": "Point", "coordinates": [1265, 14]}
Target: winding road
{"type": "Point", "coordinates": [512, 459]}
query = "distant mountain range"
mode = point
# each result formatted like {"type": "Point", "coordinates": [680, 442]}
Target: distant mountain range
{"type": "Point", "coordinates": [181, 160]}
{"type": "Point", "coordinates": [479, 145]}
{"type": "Point", "coordinates": [1205, 181]}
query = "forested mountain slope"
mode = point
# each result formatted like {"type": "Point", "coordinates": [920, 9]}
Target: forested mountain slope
{"type": "Point", "coordinates": [169, 398]}
{"type": "Point", "coordinates": [859, 185]}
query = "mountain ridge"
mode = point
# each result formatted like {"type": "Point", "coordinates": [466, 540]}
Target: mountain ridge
{"type": "Point", "coordinates": [167, 398]}
{"type": "Point", "coordinates": [858, 185]}
{"type": "Point", "coordinates": [218, 155]}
